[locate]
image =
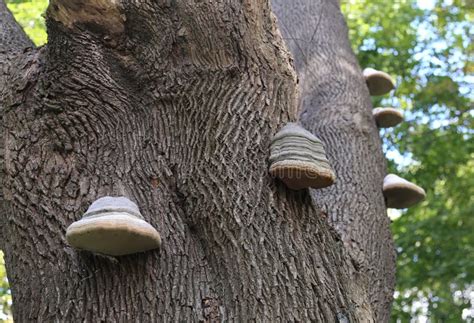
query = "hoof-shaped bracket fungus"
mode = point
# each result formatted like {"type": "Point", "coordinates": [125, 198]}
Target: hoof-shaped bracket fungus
{"type": "Point", "coordinates": [379, 83]}
{"type": "Point", "coordinates": [387, 117]}
{"type": "Point", "coordinates": [400, 193]}
{"type": "Point", "coordinates": [298, 158]}
{"type": "Point", "coordinates": [113, 226]}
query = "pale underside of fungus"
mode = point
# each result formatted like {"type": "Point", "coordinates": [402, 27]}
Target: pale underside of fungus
{"type": "Point", "coordinates": [378, 82]}
{"type": "Point", "coordinates": [387, 117]}
{"type": "Point", "coordinates": [113, 226]}
{"type": "Point", "coordinates": [400, 193]}
{"type": "Point", "coordinates": [298, 158]}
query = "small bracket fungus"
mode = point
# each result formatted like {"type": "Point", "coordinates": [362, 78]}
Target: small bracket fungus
{"type": "Point", "coordinates": [298, 158]}
{"type": "Point", "coordinates": [400, 193]}
{"type": "Point", "coordinates": [379, 83]}
{"type": "Point", "coordinates": [387, 117]}
{"type": "Point", "coordinates": [113, 226]}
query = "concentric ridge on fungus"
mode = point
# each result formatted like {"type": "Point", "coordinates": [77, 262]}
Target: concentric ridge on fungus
{"type": "Point", "coordinates": [298, 158]}
{"type": "Point", "coordinates": [400, 193]}
{"type": "Point", "coordinates": [378, 82]}
{"type": "Point", "coordinates": [113, 226]}
{"type": "Point", "coordinates": [387, 117]}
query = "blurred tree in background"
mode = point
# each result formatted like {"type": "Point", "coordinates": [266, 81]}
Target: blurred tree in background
{"type": "Point", "coordinates": [427, 45]}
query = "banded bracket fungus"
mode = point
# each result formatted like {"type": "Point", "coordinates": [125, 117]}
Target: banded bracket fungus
{"type": "Point", "coordinates": [400, 193]}
{"type": "Point", "coordinates": [378, 82]}
{"type": "Point", "coordinates": [298, 158]}
{"type": "Point", "coordinates": [113, 226]}
{"type": "Point", "coordinates": [387, 117]}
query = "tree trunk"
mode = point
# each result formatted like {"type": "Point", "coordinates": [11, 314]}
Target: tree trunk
{"type": "Point", "coordinates": [335, 105]}
{"type": "Point", "coordinates": [173, 104]}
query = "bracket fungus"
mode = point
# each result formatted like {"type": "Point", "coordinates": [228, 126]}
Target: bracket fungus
{"type": "Point", "coordinates": [400, 193]}
{"type": "Point", "coordinates": [378, 82]}
{"type": "Point", "coordinates": [298, 158]}
{"type": "Point", "coordinates": [387, 117]}
{"type": "Point", "coordinates": [113, 226]}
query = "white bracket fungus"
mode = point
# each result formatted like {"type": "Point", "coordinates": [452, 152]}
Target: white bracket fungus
{"type": "Point", "coordinates": [400, 193]}
{"type": "Point", "coordinates": [379, 83]}
{"type": "Point", "coordinates": [387, 117]}
{"type": "Point", "coordinates": [113, 226]}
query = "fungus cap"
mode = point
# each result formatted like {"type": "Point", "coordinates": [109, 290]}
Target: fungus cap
{"type": "Point", "coordinates": [113, 226]}
{"type": "Point", "coordinates": [300, 175]}
{"type": "Point", "coordinates": [400, 193]}
{"type": "Point", "coordinates": [298, 159]}
{"type": "Point", "coordinates": [294, 130]}
{"type": "Point", "coordinates": [387, 117]}
{"type": "Point", "coordinates": [378, 82]}
{"type": "Point", "coordinates": [113, 204]}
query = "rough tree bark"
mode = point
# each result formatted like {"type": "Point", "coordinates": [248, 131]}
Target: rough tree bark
{"type": "Point", "coordinates": [12, 40]}
{"type": "Point", "coordinates": [173, 104]}
{"type": "Point", "coordinates": [335, 105]}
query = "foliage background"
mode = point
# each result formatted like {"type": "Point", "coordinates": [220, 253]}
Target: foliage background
{"type": "Point", "coordinates": [428, 47]}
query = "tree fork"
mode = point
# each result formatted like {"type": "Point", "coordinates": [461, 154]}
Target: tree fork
{"type": "Point", "coordinates": [175, 111]}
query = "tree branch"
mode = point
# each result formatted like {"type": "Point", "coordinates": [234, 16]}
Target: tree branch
{"type": "Point", "coordinates": [12, 39]}
{"type": "Point", "coordinates": [12, 36]}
